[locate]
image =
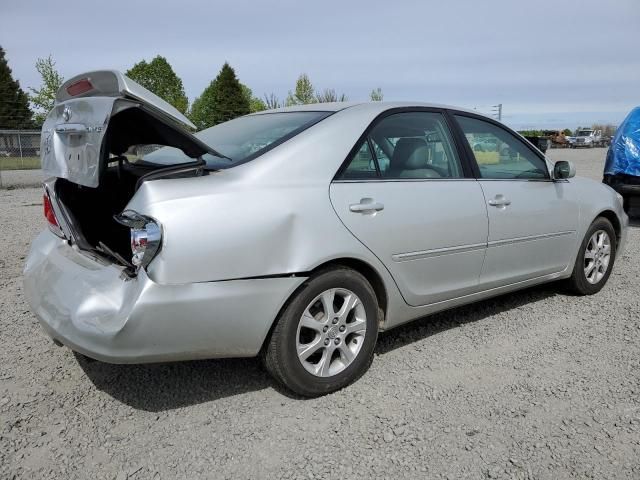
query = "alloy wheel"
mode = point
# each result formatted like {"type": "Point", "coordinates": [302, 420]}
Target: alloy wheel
{"type": "Point", "coordinates": [331, 332]}
{"type": "Point", "coordinates": [597, 256]}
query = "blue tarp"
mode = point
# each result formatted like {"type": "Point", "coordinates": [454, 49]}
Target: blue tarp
{"type": "Point", "coordinates": [623, 156]}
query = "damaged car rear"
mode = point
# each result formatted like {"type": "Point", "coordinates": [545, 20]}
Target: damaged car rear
{"type": "Point", "coordinates": [90, 142]}
{"type": "Point", "coordinates": [136, 265]}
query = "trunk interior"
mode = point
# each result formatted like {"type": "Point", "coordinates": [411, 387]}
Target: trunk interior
{"type": "Point", "coordinates": [92, 210]}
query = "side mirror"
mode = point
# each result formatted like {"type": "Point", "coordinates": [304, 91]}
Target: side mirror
{"type": "Point", "coordinates": [563, 170]}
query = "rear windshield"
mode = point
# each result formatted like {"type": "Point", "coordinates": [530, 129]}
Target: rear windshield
{"type": "Point", "coordinates": [242, 139]}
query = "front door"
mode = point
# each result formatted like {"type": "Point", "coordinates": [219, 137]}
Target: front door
{"type": "Point", "coordinates": [404, 195]}
{"type": "Point", "coordinates": [532, 225]}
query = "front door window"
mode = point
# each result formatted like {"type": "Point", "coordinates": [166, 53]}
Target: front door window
{"type": "Point", "coordinates": [499, 154]}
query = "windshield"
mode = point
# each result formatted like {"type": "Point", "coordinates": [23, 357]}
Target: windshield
{"type": "Point", "coordinates": [243, 138]}
{"type": "Point", "coordinates": [584, 133]}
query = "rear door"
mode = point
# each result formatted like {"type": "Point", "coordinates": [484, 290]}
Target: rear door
{"type": "Point", "coordinates": [532, 223]}
{"type": "Point", "coordinates": [406, 195]}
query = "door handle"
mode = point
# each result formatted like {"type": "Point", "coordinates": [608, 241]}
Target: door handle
{"type": "Point", "coordinates": [499, 201]}
{"type": "Point", "coordinates": [366, 206]}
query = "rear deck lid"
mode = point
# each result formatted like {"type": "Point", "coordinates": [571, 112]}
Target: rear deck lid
{"type": "Point", "coordinates": [98, 115]}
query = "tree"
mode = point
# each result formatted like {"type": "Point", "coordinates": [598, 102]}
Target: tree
{"type": "Point", "coordinates": [255, 104]}
{"type": "Point", "coordinates": [44, 98]}
{"type": "Point", "coordinates": [222, 100]}
{"type": "Point", "coordinates": [376, 95]}
{"type": "Point", "coordinates": [330, 95]}
{"type": "Point", "coordinates": [158, 77]}
{"type": "Point", "coordinates": [303, 93]}
{"type": "Point", "coordinates": [567, 132]}
{"type": "Point", "coordinates": [14, 102]}
{"type": "Point", "coordinates": [272, 101]}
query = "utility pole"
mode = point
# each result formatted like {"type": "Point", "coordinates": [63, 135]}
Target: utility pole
{"type": "Point", "coordinates": [497, 110]}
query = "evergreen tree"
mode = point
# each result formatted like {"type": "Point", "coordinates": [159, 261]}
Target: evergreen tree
{"type": "Point", "coordinates": [14, 102]}
{"type": "Point", "coordinates": [222, 100]}
{"type": "Point", "coordinates": [158, 77]}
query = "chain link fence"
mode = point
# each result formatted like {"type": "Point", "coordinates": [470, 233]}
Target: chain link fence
{"type": "Point", "coordinates": [19, 158]}
{"type": "Point", "coordinates": [19, 149]}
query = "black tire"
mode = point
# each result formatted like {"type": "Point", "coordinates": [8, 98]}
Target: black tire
{"type": "Point", "coordinates": [578, 282]}
{"type": "Point", "coordinates": [279, 354]}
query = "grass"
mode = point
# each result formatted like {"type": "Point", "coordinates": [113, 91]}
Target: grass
{"type": "Point", "coordinates": [17, 163]}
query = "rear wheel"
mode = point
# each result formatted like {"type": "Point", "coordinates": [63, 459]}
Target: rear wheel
{"type": "Point", "coordinates": [595, 259]}
{"type": "Point", "coordinates": [324, 338]}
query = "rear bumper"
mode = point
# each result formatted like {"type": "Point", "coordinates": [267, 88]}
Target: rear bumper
{"type": "Point", "coordinates": [94, 310]}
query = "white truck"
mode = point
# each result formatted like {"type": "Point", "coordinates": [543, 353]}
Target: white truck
{"type": "Point", "coordinates": [587, 137]}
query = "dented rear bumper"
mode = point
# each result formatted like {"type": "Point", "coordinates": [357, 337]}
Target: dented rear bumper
{"type": "Point", "coordinates": [95, 310]}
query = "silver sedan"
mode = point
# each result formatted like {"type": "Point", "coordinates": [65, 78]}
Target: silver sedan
{"type": "Point", "coordinates": [295, 234]}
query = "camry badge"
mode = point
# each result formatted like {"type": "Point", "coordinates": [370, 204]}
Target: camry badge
{"type": "Point", "coordinates": [66, 114]}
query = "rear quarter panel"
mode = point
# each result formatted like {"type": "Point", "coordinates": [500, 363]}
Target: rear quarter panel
{"type": "Point", "coordinates": [241, 231]}
{"type": "Point", "coordinates": [270, 216]}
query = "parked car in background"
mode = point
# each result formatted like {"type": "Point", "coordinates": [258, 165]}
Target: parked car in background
{"type": "Point", "coordinates": [283, 234]}
{"type": "Point", "coordinates": [622, 167]}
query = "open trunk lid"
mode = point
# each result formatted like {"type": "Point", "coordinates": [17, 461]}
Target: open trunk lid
{"type": "Point", "coordinates": [101, 114]}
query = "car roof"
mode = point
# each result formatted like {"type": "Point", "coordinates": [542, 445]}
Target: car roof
{"type": "Point", "coordinates": [365, 106]}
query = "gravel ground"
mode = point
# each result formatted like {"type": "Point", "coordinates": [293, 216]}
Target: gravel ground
{"type": "Point", "coordinates": [10, 179]}
{"type": "Point", "coordinates": [531, 385]}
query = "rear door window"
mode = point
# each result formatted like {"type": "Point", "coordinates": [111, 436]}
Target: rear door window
{"type": "Point", "coordinates": [408, 145]}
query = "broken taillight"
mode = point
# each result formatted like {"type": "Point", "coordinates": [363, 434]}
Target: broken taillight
{"type": "Point", "coordinates": [79, 87]}
{"type": "Point", "coordinates": [50, 215]}
{"type": "Point", "coordinates": [146, 236]}
{"type": "Point", "coordinates": [48, 211]}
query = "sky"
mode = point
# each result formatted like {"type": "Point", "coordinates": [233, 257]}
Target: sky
{"type": "Point", "coordinates": [551, 64]}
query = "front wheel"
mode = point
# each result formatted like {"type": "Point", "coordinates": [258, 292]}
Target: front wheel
{"type": "Point", "coordinates": [595, 259]}
{"type": "Point", "coordinates": [324, 338]}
